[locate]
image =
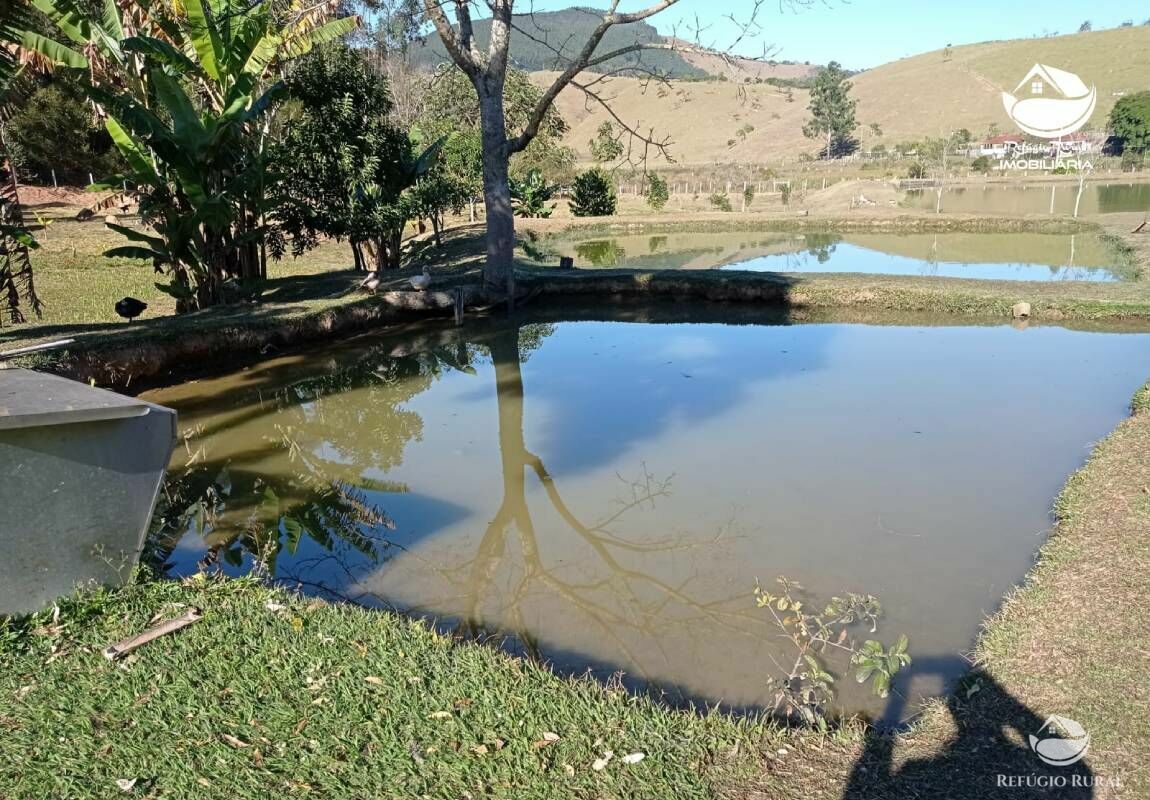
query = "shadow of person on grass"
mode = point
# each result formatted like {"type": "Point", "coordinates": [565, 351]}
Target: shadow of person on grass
{"type": "Point", "coordinates": [987, 754]}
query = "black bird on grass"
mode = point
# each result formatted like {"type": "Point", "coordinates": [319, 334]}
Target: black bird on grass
{"type": "Point", "coordinates": [129, 308]}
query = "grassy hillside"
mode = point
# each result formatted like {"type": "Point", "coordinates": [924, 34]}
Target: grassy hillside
{"type": "Point", "coordinates": [911, 98]}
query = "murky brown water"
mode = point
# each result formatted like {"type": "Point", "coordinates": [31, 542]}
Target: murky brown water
{"type": "Point", "coordinates": [1037, 198]}
{"type": "Point", "coordinates": [993, 256]}
{"type": "Point", "coordinates": [606, 494]}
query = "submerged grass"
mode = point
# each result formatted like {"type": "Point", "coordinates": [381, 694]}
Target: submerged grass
{"type": "Point", "coordinates": [273, 694]}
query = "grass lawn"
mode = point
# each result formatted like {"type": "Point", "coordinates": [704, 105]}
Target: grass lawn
{"type": "Point", "coordinates": [273, 694]}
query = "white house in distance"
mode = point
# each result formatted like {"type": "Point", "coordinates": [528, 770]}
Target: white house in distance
{"type": "Point", "coordinates": [1002, 146]}
{"type": "Point", "coordinates": [1008, 145]}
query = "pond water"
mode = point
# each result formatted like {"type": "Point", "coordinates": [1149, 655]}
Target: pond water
{"type": "Point", "coordinates": [605, 495]}
{"type": "Point", "coordinates": [1036, 198]}
{"type": "Point", "coordinates": [998, 256]}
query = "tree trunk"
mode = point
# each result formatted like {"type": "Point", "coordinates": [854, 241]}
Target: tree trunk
{"type": "Point", "coordinates": [497, 273]}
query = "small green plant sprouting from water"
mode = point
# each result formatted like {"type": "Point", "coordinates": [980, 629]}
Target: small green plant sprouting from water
{"type": "Point", "coordinates": [806, 688]}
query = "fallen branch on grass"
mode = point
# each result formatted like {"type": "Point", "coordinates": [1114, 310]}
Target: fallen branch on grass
{"type": "Point", "coordinates": [122, 648]}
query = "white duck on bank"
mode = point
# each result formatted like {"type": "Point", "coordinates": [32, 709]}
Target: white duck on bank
{"type": "Point", "coordinates": [370, 283]}
{"type": "Point", "coordinates": [421, 282]}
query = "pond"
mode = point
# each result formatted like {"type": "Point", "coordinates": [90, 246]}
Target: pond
{"type": "Point", "coordinates": [605, 494]}
{"type": "Point", "coordinates": [1036, 198]}
{"type": "Point", "coordinates": [993, 256]}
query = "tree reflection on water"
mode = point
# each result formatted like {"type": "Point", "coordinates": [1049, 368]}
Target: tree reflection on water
{"type": "Point", "coordinates": [291, 499]}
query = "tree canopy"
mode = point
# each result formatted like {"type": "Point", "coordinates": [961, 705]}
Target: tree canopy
{"type": "Point", "coordinates": [1130, 122]}
{"type": "Point", "coordinates": [832, 112]}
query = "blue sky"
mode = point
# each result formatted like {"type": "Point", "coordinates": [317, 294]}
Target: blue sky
{"type": "Point", "coordinates": [866, 33]}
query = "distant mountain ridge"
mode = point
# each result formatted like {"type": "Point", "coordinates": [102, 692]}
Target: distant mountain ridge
{"type": "Point", "coordinates": [548, 40]}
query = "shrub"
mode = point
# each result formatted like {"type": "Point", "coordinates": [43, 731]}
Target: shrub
{"type": "Point", "coordinates": [1132, 161]}
{"type": "Point", "coordinates": [657, 192]}
{"type": "Point", "coordinates": [593, 195]}
{"type": "Point", "coordinates": [786, 194]}
{"type": "Point", "coordinates": [55, 130]}
{"type": "Point", "coordinates": [529, 197]}
{"type": "Point", "coordinates": [748, 194]}
{"type": "Point", "coordinates": [916, 171]}
{"type": "Point", "coordinates": [721, 202]}
{"type": "Point", "coordinates": [981, 164]}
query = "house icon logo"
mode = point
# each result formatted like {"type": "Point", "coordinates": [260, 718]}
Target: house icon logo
{"type": "Point", "coordinates": [1060, 742]}
{"type": "Point", "coordinates": [1050, 103]}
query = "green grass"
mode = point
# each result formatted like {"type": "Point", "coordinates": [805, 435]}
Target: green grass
{"type": "Point", "coordinates": [272, 694]}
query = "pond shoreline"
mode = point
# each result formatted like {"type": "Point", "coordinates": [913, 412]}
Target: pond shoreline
{"type": "Point", "coordinates": [123, 357]}
{"type": "Point", "coordinates": [461, 712]}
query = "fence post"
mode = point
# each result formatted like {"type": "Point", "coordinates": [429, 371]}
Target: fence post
{"type": "Point", "coordinates": [55, 185]}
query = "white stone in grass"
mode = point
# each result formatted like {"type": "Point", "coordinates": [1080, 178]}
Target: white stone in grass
{"type": "Point", "coordinates": [633, 758]}
{"type": "Point", "coordinates": [1021, 310]}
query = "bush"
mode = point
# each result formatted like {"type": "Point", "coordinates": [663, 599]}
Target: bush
{"type": "Point", "coordinates": [529, 197]}
{"type": "Point", "coordinates": [916, 171]}
{"type": "Point", "coordinates": [749, 194]}
{"type": "Point", "coordinates": [657, 192]}
{"type": "Point", "coordinates": [55, 130]}
{"type": "Point", "coordinates": [593, 195]}
{"type": "Point", "coordinates": [785, 191]}
{"type": "Point", "coordinates": [720, 201]}
{"type": "Point", "coordinates": [981, 164]}
{"type": "Point", "coordinates": [1132, 161]}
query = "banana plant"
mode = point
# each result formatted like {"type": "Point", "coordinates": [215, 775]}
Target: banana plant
{"type": "Point", "coordinates": [193, 141]}
{"type": "Point", "coordinates": [16, 280]}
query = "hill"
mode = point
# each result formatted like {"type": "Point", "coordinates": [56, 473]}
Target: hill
{"type": "Point", "coordinates": [549, 40]}
{"type": "Point", "coordinates": [920, 96]}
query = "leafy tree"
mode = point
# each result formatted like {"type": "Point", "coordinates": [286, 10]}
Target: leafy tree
{"type": "Point", "coordinates": [981, 164]}
{"type": "Point", "coordinates": [55, 130]}
{"type": "Point", "coordinates": [531, 195]}
{"type": "Point", "coordinates": [1130, 122]}
{"type": "Point", "coordinates": [916, 171]}
{"type": "Point", "coordinates": [606, 147]}
{"type": "Point", "coordinates": [452, 180]}
{"type": "Point", "coordinates": [486, 68]}
{"type": "Point", "coordinates": [832, 112]}
{"type": "Point", "coordinates": [452, 108]}
{"type": "Point", "coordinates": [344, 166]}
{"type": "Point", "coordinates": [657, 191]}
{"type": "Point", "coordinates": [187, 101]}
{"type": "Point", "coordinates": [1086, 27]}
{"type": "Point", "coordinates": [593, 195]}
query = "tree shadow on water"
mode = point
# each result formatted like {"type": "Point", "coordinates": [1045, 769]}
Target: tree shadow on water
{"type": "Point", "coordinates": [985, 750]}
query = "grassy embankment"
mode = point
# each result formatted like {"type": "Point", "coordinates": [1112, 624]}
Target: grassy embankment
{"type": "Point", "coordinates": [274, 694]}
{"type": "Point", "coordinates": [316, 297]}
